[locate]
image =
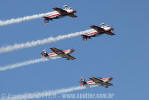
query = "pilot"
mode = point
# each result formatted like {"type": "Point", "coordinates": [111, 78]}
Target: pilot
{"type": "Point", "coordinates": [66, 7]}
{"type": "Point", "coordinates": [102, 25]}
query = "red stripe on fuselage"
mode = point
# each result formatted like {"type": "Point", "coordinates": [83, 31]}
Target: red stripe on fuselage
{"type": "Point", "coordinates": [58, 14]}
{"type": "Point", "coordinates": [90, 34]}
{"type": "Point", "coordinates": [53, 15]}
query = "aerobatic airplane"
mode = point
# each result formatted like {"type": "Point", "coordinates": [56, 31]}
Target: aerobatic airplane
{"type": "Point", "coordinates": [103, 29]}
{"type": "Point", "coordinates": [58, 53]}
{"type": "Point", "coordinates": [96, 81]}
{"type": "Point", "coordinates": [67, 11]}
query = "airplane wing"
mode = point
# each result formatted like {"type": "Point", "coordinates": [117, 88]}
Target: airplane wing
{"type": "Point", "coordinates": [109, 33]}
{"type": "Point", "coordinates": [72, 15]}
{"type": "Point", "coordinates": [108, 84]}
{"type": "Point", "coordinates": [61, 11]}
{"type": "Point", "coordinates": [96, 80]}
{"type": "Point", "coordinates": [57, 51]}
{"type": "Point", "coordinates": [98, 29]}
{"type": "Point", "coordinates": [69, 57]}
{"type": "Point", "coordinates": [62, 54]}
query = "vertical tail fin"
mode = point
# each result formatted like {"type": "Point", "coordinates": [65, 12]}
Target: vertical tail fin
{"type": "Point", "coordinates": [44, 53]}
{"type": "Point", "coordinates": [82, 81]}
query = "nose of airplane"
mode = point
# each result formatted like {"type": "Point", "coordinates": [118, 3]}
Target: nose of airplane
{"type": "Point", "coordinates": [74, 11]}
{"type": "Point", "coordinates": [111, 78]}
{"type": "Point", "coordinates": [112, 29]}
{"type": "Point", "coordinates": [72, 50]}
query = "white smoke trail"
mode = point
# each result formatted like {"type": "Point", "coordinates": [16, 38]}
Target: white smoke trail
{"type": "Point", "coordinates": [42, 42]}
{"type": "Point", "coordinates": [43, 94]}
{"type": "Point", "coordinates": [18, 20]}
{"type": "Point", "coordinates": [21, 64]}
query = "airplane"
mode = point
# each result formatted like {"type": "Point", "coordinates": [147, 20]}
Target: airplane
{"type": "Point", "coordinates": [66, 11]}
{"type": "Point", "coordinates": [103, 29]}
{"type": "Point", "coordinates": [96, 81]}
{"type": "Point", "coordinates": [58, 53]}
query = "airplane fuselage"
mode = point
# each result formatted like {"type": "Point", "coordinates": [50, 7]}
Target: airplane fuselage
{"type": "Point", "coordinates": [95, 33]}
{"type": "Point", "coordinates": [56, 14]}
{"type": "Point", "coordinates": [105, 80]}
{"type": "Point", "coordinates": [69, 51]}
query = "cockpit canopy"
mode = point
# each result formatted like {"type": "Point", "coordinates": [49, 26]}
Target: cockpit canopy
{"type": "Point", "coordinates": [67, 8]}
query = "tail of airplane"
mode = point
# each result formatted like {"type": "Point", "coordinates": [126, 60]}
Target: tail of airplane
{"type": "Point", "coordinates": [83, 82]}
{"type": "Point", "coordinates": [44, 53]}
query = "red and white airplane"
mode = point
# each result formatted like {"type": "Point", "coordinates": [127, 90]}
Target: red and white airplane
{"type": "Point", "coordinates": [96, 81]}
{"type": "Point", "coordinates": [103, 29]}
{"type": "Point", "coordinates": [58, 53]}
{"type": "Point", "coordinates": [67, 11]}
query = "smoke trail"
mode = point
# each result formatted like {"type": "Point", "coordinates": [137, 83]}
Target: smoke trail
{"type": "Point", "coordinates": [21, 64]}
{"type": "Point", "coordinates": [42, 42]}
{"type": "Point", "coordinates": [43, 94]}
{"type": "Point", "coordinates": [18, 20]}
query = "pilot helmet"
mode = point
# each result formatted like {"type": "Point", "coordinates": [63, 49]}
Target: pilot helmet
{"type": "Point", "coordinates": [102, 23]}
{"type": "Point", "coordinates": [65, 6]}
{"type": "Point", "coordinates": [70, 7]}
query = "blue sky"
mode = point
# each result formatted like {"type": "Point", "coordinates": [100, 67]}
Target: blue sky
{"type": "Point", "coordinates": [123, 56]}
